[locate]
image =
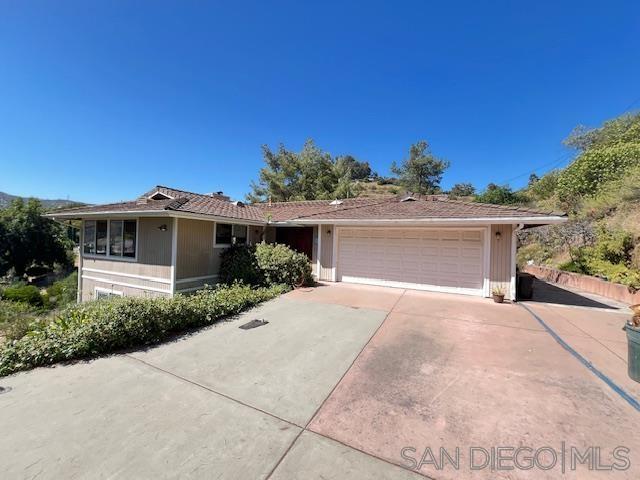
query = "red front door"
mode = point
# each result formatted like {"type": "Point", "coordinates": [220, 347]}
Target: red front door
{"type": "Point", "coordinates": [299, 239]}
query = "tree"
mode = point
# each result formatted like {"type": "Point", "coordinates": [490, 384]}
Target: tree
{"type": "Point", "coordinates": [357, 170]}
{"type": "Point", "coordinates": [499, 194]}
{"type": "Point", "coordinates": [462, 190]}
{"type": "Point", "coordinates": [422, 172]}
{"type": "Point", "coordinates": [310, 174]}
{"type": "Point", "coordinates": [533, 179]}
{"type": "Point", "coordinates": [545, 187]}
{"type": "Point", "coordinates": [27, 238]}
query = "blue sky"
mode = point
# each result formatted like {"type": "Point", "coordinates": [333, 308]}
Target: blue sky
{"type": "Point", "coordinates": [101, 100]}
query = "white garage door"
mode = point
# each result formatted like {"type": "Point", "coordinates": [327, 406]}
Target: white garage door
{"type": "Point", "coordinates": [447, 260]}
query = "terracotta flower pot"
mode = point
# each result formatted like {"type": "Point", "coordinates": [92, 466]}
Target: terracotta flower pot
{"type": "Point", "coordinates": [498, 298]}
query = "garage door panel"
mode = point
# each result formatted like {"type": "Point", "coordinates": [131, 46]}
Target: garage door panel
{"type": "Point", "coordinates": [472, 235]}
{"type": "Point", "coordinates": [430, 259]}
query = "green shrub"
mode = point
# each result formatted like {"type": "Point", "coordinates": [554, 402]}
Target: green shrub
{"type": "Point", "coordinates": [619, 192]}
{"type": "Point", "coordinates": [238, 263]}
{"type": "Point", "coordinates": [572, 267]}
{"type": "Point", "coordinates": [281, 265]}
{"type": "Point", "coordinates": [613, 246]}
{"type": "Point", "coordinates": [104, 326]}
{"type": "Point", "coordinates": [545, 187]}
{"type": "Point", "coordinates": [265, 264]}
{"type": "Point", "coordinates": [539, 254]}
{"type": "Point", "coordinates": [607, 259]}
{"type": "Point", "coordinates": [63, 292]}
{"type": "Point", "coordinates": [23, 293]}
{"type": "Point", "coordinates": [594, 168]}
{"type": "Point", "coordinates": [15, 318]}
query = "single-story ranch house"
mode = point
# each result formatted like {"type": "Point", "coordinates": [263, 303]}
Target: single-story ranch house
{"type": "Point", "coordinates": [168, 241]}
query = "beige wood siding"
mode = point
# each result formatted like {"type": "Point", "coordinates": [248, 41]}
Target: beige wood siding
{"type": "Point", "coordinates": [153, 263]}
{"type": "Point", "coordinates": [255, 234]}
{"type": "Point", "coordinates": [154, 245]}
{"type": "Point", "coordinates": [88, 290]}
{"type": "Point", "coordinates": [326, 252]}
{"type": "Point", "coordinates": [314, 251]}
{"type": "Point", "coordinates": [500, 268]}
{"type": "Point", "coordinates": [270, 235]}
{"type": "Point", "coordinates": [196, 255]}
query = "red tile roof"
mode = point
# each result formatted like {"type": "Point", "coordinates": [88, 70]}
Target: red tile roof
{"type": "Point", "coordinates": [283, 211]}
{"type": "Point", "coordinates": [180, 201]}
{"type": "Point", "coordinates": [361, 209]}
{"type": "Point", "coordinates": [435, 207]}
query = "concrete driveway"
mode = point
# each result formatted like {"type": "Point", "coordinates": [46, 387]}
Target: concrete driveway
{"type": "Point", "coordinates": [340, 381]}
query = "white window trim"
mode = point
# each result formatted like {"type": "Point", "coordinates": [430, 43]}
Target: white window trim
{"type": "Point", "coordinates": [106, 290]}
{"type": "Point", "coordinates": [108, 255]}
{"type": "Point", "coordinates": [227, 245]}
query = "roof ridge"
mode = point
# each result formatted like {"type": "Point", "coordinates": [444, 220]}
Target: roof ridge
{"type": "Point", "coordinates": [267, 203]}
{"type": "Point", "coordinates": [501, 207]}
{"type": "Point", "coordinates": [183, 191]}
{"type": "Point", "coordinates": [354, 207]}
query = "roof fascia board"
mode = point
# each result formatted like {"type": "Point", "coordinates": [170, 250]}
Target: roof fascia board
{"type": "Point", "coordinates": [155, 213]}
{"type": "Point", "coordinates": [419, 221]}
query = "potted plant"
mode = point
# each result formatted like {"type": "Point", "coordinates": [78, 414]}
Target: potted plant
{"type": "Point", "coordinates": [498, 294]}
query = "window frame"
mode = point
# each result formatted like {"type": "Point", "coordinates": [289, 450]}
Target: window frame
{"type": "Point", "coordinates": [107, 291]}
{"type": "Point", "coordinates": [108, 256]}
{"type": "Point", "coordinates": [227, 245]}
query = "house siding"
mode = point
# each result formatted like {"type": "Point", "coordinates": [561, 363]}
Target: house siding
{"type": "Point", "coordinates": [88, 290]}
{"type": "Point", "coordinates": [500, 265]}
{"type": "Point", "coordinates": [153, 262]}
{"type": "Point", "coordinates": [196, 255]}
{"type": "Point", "coordinates": [326, 253]}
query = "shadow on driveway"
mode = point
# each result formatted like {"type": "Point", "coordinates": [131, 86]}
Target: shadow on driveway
{"type": "Point", "coordinates": [544, 292]}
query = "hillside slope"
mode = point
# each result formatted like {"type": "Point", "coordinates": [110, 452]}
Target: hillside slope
{"type": "Point", "coordinates": [6, 199]}
{"type": "Point", "coordinates": [600, 189]}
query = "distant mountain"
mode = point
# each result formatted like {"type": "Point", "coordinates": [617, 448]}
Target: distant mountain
{"type": "Point", "coordinates": [6, 199]}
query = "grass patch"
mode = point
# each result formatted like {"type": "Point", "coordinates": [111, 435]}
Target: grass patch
{"type": "Point", "coordinates": [104, 326]}
{"type": "Point", "coordinates": [15, 318]}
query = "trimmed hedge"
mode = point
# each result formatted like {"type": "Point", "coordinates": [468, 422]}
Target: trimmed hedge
{"type": "Point", "coordinates": [281, 265]}
{"type": "Point", "coordinates": [105, 326]}
{"type": "Point", "coordinates": [265, 264]}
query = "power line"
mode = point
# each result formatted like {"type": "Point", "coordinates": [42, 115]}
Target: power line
{"type": "Point", "coordinates": [561, 158]}
{"type": "Point", "coordinates": [551, 164]}
{"type": "Point", "coordinates": [628, 107]}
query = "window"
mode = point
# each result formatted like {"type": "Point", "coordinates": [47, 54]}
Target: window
{"type": "Point", "coordinates": [239, 234]}
{"type": "Point", "coordinates": [223, 234]}
{"type": "Point", "coordinates": [227, 234]}
{"type": "Point", "coordinates": [115, 238]}
{"type": "Point", "coordinates": [129, 249]}
{"type": "Point", "coordinates": [95, 237]}
{"type": "Point", "coordinates": [90, 237]}
{"type": "Point", "coordinates": [122, 238]}
{"type": "Point", "coordinates": [101, 237]}
{"type": "Point", "coordinates": [104, 293]}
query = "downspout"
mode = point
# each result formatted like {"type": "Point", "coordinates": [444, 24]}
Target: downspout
{"type": "Point", "coordinates": [80, 250]}
{"type": "Point", "coordinates": [174, 255]}
{"type": "Point", "coordinates": [514, 244]}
